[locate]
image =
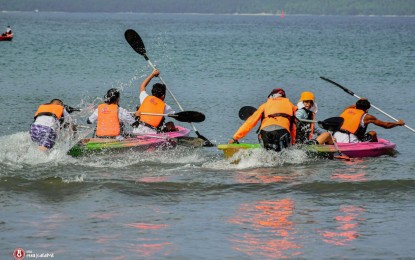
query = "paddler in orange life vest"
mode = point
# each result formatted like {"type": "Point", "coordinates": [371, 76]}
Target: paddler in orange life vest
{"type": "Point", "coordinates": [307, 109]}
{"type": "Point", "coordinates": [356, 120]}
{"type": "Point", "coordinates": [277, 122]}
{"type": "Point", "coordinates": [154, 103]}
{"type": "Point", "coordinates": [47, 123]}
{"type": "Point", "coordinates": [110, 117]}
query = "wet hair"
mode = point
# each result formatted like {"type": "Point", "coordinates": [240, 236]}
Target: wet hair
{"type": "Point", "coordinates": [111, 96]}
{"type": "Point", "coordinates": [277, 91]}
{"type": "Point", "coordinates": [55, 100]}
{"type": "Point", "coordinates": [158, 90]}
{"type": "Point", "coordinates": [363, 104]}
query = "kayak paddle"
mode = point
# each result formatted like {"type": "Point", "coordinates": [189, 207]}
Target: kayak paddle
{"type": "Point", "coordinates": [137, 44]}
{"type": "Point", "coordinates": [356, 96]}
{"type": "Point", "coordinates": [71, 109]}
{"type": "Point", "coordinates": [184, 116]}
{"type": "Point", "coordinates": [246, 111]}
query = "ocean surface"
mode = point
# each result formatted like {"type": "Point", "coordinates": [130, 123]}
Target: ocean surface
{"type": "Point", "coordinates": [192, 203]}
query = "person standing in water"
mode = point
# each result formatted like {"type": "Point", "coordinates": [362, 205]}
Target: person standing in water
{"type": "Point", "coordinates": [277, 122]}
{"type": "Point", "coordinates": [47, 123]}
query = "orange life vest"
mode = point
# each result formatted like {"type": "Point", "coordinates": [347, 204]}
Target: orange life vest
{"type": "Point", "coordinates": [152, 104]}
{"type": "Point", "coordinates": [108, 123]}
{"type": "Point", "coordinates": [50, 110]}
{"type": "Point", "coordinates": [352, 120]}
{"type": "Point", "coordinates": [278, 111]}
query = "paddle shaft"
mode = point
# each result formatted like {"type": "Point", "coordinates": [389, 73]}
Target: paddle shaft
{"type": "Point", "coordinates": [154, 114]}
{"type": "Point", "coordinates": [161, 79]}
{"type": "Point", "coordinates": [137, 44]}
{"type": "Point", "coordinates": [356, 96]}
{"type": "Point", "coordinates": [342, 156]}
{"type": "Point", "coordinates": [177, 102]}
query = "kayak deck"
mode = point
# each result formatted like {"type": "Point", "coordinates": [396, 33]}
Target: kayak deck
{"type": "Point", "coordinates": [353, 150]}
{"type": "Point", "coordinates": [138, 143]}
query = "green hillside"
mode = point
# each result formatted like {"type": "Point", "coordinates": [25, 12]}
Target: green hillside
{"type": "Point", "coordinates": [320, 7]}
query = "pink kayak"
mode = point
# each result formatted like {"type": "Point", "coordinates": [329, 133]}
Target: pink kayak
{"type": "Point", "coordinates": [358, 150]}
{"type": "Point", "coordinates": [143, 142]}
{"type": "Point", "coordinates": [353, 150]}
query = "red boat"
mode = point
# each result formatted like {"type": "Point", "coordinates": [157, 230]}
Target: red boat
{"type": "Point", "coordinates": [8, 37]}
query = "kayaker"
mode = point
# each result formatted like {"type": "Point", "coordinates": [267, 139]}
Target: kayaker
{"type": "Point", "coordinates": [8, 31]}
{"type": "Point", "coordinates": [110, 117]}
{"type": "Point", "coordinates": [277, 122]}
{"type": "Point", "coordinates": [154, 103]}
{"type": "Point", "coordinates": [47, 122]}
{"type": "Point", "coordinates": [356, 120]}
{"type": "Point", "coordinates": [307, 109]}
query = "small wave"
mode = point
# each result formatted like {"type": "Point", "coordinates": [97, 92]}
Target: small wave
{"type": "Point", "coordinates": [18, 150]}
{"type": "Point", "coordinates": [254, 158]}
{"type": "Point", "coordinates": [382, 186]}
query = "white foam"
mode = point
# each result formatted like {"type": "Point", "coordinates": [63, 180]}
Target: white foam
{"type": "Point", "coordinates": [254, 158]}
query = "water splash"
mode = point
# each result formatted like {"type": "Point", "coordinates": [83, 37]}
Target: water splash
{"type": "Point", "coordinates": [254, 158]}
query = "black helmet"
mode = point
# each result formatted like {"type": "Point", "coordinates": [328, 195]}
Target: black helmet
{"type": "Point", "coordinates": [158, 90]}
{"type": "Point", "coordinates": [111, 96]}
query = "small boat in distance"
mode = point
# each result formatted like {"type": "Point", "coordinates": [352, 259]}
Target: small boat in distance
{"type": "Point", "coordinates": [6, 37]}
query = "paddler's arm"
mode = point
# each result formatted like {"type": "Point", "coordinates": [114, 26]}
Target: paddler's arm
{"type": "Point", "coordinates": [93, 117]}
{"type": "Point", "coordinates": [147, 80]}
{"type": "Point", "coordinates": [248, 125]}
{"type": "Point", "coordinates": [372, 119]}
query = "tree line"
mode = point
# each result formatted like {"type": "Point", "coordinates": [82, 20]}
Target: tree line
{"type": "Point", "coordinates": [316, 7]}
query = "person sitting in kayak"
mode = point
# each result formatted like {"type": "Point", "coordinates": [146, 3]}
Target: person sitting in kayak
{"type": "Point", "coordinates": [47, 122]}
{"type": "Point", "coordinates": [8, 31]}
{"type": "Point", "coordinates": [307, 109]}
{"type": "Point", "coordinates": [110, 117]}
{"type": "Point", "coordinates": [154, 103]}
{"type": "Point", "coordinates": [356, 120]}
{"type": "Point", "coordinates": [277, 122]}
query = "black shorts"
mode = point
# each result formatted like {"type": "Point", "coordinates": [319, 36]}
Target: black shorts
{"type": "Point", "coordinates": [275, 140]}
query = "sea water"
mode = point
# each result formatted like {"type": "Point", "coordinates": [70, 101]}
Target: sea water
{"type": "Point", "coordinates": [192, 203]}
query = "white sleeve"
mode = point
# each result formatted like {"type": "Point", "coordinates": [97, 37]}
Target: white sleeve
{"type": "Point", "coordinates": [65, 113]}
{"type": "Point", "coordinates": [94, 116]}
{"type": "Point", "coordinates": [125, 116]}
{"type": "Point", "coordinates": [143, 96]}
{"type": "Point", "coordinates": [168, 110]}
{"type": "Point", "coordinates": [67, 117]}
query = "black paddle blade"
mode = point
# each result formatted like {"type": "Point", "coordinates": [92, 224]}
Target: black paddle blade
{"type": "Point", "coordinates": [338, 85]}
{"type": "Point", "coordinates": [135, 42]}
{"type": "Point", "coordinates": [246, 112]}
{"type": "Point", "coordinates": [71, 109]}
{"type": "Point", "coordinates": [331, 124]}
{"type": "Point", "coordinates": [189, 116]}
{"type": "Point", "coordinates": [206, 142]}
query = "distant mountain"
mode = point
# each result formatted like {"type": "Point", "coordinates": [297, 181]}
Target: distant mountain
{"type": "Point", "coordinates": [318, 7]}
